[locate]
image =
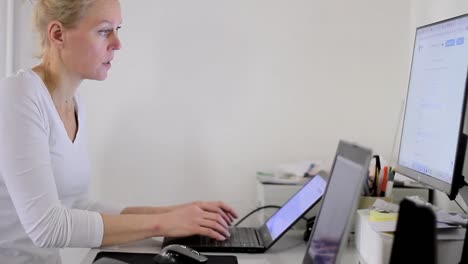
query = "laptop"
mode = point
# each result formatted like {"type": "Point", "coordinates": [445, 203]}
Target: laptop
{"type": "Point", "coordinates": [258, 240]}
{"type": "Point", "coordinates": [331, 228]}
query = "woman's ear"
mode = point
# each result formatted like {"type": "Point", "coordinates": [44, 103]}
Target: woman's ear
{"type": "Point", "coordinates": [55, 34]}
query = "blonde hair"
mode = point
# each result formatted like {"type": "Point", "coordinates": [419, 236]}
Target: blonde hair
{"type": "Point", "coordinates": [67, 12]}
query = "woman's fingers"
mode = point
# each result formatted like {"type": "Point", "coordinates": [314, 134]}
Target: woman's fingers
{"type": "Point", "coordinates": [229, 210]}
{"type": "Point", "coordinates": [231, 217]}
{"type": "Point", "coordinates": [209, 232]}
{"type": "Point", "coordinates": [215, 209]}
{"type": "Point", "coordinates": [216, 222]}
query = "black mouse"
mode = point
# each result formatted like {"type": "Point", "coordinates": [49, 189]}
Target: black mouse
{"type": "Point", "coordinates": [179, 254]}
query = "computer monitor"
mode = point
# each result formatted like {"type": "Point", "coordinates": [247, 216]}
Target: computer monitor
{"type": "Point", "coordinates": [433, 144]}
{"type": "Point", "coordinates": [329, 235]}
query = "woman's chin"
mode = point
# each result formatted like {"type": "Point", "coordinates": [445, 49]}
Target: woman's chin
{"type": "Point", "coordinates": [101, 76]}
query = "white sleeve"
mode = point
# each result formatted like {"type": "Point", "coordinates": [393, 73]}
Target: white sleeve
{"type": "Point", "coordinates": [26, 168]}
{"type": "Point", "coordinates": [83, 202]}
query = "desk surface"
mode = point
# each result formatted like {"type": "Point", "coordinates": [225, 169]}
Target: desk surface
{"type": "Point", "coordinates": [289, 249]}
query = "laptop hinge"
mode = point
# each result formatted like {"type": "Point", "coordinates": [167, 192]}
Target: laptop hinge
{"type": "Point", "coordinates": [259, 238]}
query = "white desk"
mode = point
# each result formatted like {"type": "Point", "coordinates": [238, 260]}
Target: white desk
{"type": "Point", "coordinates": [289, 249]}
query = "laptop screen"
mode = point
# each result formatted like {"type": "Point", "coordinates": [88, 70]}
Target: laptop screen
{"type": "Point", "coordinates": [338, 203]}
{"type": "Point", "coordinates": [296, 206]}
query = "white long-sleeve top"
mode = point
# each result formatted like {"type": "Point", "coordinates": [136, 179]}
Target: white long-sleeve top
{"type": "Point", "coordinates": [44, 177]}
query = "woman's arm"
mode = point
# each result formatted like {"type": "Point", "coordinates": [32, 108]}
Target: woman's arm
{"type": "Point", "coordinates": [147, 210]}
{"type": "Point", "coordinates": [227, 212]}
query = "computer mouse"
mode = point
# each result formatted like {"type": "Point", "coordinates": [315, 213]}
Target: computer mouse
{"type": "Point", "coordinates": [108, 261]}
{"type": "Point", "coordinates": [179, 254]}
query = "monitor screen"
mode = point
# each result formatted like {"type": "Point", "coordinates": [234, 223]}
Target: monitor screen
{"type": "Point", "coordinates": [337, 206]}
{"type": "Point", "coordinates": [435, 103]}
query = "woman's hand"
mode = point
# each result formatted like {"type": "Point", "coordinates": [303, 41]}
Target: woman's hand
{"type": "Point", "coordinates": [220, 208]}
{"type": "Point", "coordinates": [197, 218]}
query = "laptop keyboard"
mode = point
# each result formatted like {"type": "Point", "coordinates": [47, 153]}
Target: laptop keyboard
{"type": "Point", "coordinates": [240, 237]}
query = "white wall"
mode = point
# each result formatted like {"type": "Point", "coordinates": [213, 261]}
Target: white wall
{"type": "Point", "coordinates": [204, 93]}
{"type": "Point", "coordinates": [428, 11]}
{"type": "Point", "coordinates": [25, 40]}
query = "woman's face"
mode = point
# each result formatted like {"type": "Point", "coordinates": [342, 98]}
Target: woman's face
{"type": "Point", "coordinates": [88, 48]}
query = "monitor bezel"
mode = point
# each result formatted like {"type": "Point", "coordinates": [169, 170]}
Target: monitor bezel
{"type": "Point", "coordinates": [358, 155]}
{"type": "Point", "coordinates": [451, 189]}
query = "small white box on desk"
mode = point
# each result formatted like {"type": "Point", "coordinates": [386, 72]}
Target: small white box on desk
{"type": "Point", "coordinates": [375, 247]}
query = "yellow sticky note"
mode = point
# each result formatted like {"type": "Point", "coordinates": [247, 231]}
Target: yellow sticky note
{"type": "Point", "coordinates": [376, 216]}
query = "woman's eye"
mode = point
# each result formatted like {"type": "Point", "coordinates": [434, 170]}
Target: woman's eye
{"type": "Point", "coordinates": [105, 33]}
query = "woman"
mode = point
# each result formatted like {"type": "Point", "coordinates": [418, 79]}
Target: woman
{"type": "Point", "coordinates": [44, 166]}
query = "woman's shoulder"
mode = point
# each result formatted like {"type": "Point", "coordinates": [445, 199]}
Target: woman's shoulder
{"type": "Point", "coordinates": [23, 84]}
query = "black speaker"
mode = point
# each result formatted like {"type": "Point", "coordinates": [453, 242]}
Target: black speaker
{"type": "Point", "coordinates": [415, 237]}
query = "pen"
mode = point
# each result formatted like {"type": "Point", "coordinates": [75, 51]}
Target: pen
{"type": "Point", "coordinates": [376, 180]}
{"type": "Point", "coordinates": [379, 183]}
{"type": "Point", "coordinates": [389, 190]}
{"type": "Point", "coordinates": [391, 177]}
{"type": "Point", "coordinates": [366, 187]}
{"type": "Point", "coordinates": [384, 181]}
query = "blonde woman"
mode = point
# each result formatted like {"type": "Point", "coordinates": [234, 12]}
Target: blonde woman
{"type": "Point", "coordinates": [44, 166]}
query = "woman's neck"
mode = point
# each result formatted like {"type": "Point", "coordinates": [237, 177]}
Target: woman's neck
{"type": "Point", "coordinates": [61, 84]}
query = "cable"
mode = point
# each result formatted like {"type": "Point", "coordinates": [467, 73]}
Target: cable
{"type": "Point", "coordinates": [261, 208]}
{"type": "Point", "coordinates": [256, 210]}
